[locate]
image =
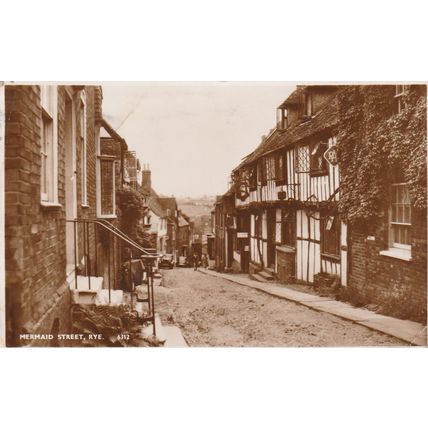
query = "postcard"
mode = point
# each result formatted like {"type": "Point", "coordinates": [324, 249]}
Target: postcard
{"type": "Point", "coordinates": [214, 214]}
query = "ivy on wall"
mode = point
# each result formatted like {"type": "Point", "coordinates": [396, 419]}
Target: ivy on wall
{"type": "Point", "coordinates": [377, 146]}
{"type": "Point", "coordinates": [132, 208]}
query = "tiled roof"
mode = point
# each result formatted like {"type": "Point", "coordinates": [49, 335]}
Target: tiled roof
{"type": "Point", "coordinates": [295, 96]}
{"type": "Point", "coordinates": [168, 204]}
{"type": "Point", "coordinates": [324, 120]}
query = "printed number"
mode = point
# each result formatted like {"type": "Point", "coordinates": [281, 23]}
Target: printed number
{"type": "Point", "coordinates": [123, 336]}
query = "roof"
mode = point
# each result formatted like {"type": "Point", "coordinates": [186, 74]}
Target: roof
{"type": "Point", "coordinates": [294, 97]}
{"type": "Point", "coordinates": [168, 203]}
{"type": "Point", "coordinates": [324, 120]}
{"type": "Point", "coordinates": [113, 133]}
{"type": "Point", "coordinates": [154, 204]}
{"type": "Point", "coordinates": [182, 222]}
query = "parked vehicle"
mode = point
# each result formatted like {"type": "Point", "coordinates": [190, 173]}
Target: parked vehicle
{"type": "Point", "coordinates": [184, 261]}
{"type": "Point", "coordinates": [167, 261]}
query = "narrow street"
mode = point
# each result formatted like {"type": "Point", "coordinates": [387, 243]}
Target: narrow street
{"type": "Point", "coordinates": [212, 311]}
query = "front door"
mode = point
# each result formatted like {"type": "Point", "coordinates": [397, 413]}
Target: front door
{"type": "Point", "coordinates": [271, 219]}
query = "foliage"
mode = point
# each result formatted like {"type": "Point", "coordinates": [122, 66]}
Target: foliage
{"type": "Point", "coordinates": [375, 145]}
{"type": "Point", "coordinates": [132, 207]}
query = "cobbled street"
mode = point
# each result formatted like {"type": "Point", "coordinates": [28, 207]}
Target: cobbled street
{"type": "Point", "coordinates": [212, 311]}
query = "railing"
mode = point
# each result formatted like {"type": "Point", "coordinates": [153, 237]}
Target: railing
{"type": "Point", "coordinates": [120, 252]}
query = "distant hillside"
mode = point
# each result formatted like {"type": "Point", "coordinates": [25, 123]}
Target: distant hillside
{"type": "Point", "coordinates": [196, 207]}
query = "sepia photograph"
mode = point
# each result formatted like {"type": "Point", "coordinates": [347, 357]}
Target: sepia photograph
{"type": "Point", "coordinates": [215, 214]}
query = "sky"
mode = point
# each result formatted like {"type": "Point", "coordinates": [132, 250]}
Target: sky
{"type": "Point", "coordinates": [192, 134]}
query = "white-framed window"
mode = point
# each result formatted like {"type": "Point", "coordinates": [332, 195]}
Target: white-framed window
{"type": "Point", "coordinates": [282, 118]}
{"type": "Point", "coordinates": [49, 145]}
{"type": "Point", "coordinates": [400, 218]}
{"type": "Point", "coordinates": [399, 98]}
{"type": "Point", "coordinates": [83, 149]}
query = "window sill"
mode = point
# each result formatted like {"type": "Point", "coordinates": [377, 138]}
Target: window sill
{"type": "Point", "coordinates": [285, 248]}
{"type": "Point", "coordinates": [318, 173]}
{"type": "Point", "coordinates": [397, 253]}
{"type": "Point", "coordinates": [111, 216]}
{"type": "Point", "coordinates": [51, 205]}
{"type": "Point", "coordinates": [85, 206]}
{"type": "Point", "coordinates": [334, 257]}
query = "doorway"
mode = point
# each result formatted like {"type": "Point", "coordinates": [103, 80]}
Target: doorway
{"type": "Point", "coordinates": [70, 181]}
{"type": "Point", "coordinates": [271, 238]}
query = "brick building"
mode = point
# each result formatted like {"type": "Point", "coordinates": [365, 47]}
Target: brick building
{"type": "Point", "coordinates": [55, 172]}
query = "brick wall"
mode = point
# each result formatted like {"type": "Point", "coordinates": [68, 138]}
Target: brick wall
{"type": "Point", "coordinates": [37, 294]}
{"type": "Point", "coordinates": [397, 286]}
{"type": "Point", "coordinates": [34, 236]}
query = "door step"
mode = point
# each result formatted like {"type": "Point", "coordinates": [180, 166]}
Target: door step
{"type": "Point", "coordinates": [266, 275]}
{"type": "Point", "coordinates": [258, 277]}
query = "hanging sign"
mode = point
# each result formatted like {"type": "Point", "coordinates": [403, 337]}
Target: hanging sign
{"type": "Point", "coordinates": [330, 155]}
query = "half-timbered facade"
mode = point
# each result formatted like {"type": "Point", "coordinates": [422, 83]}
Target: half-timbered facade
{"type": "Point", "coordinates": [289, 188]}
{"type": "Point", "coordinates": [363, 226]}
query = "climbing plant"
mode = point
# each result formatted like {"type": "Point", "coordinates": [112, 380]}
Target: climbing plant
{"type": "Point", "coordinates": [376, 144]}
{"type": "Point", "coordinates": [132, 208]}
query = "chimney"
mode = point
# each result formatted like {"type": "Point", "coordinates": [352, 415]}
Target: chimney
{"type": "Point", "coordinates": [147, 178]}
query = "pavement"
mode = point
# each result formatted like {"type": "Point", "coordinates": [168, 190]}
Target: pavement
{"type": "Point", "coordinates": [409, 331]}
{"type": "Point", "coordinates": [169, 335]}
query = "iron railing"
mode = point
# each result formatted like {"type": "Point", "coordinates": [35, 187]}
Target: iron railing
{"type": "Point", "coordinates": [118, 268]}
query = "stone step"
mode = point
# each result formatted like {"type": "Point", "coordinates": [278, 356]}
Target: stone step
{"type": "Point", "coordinates": [258, 277]}
{"type": "Point", "coordinates": [270, 270]}
{"type": "Point", "coordinates": [96, 283]}
{"type": "Point", "coordinates": [266, 275]}
{"type": "Point", "coordinates": [83, 295]}
{"type": "Point", "coordinates": [102, 298]}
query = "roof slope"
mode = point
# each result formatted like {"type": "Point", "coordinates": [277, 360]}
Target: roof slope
{"type": "Point", "coordinates": [324, 120]}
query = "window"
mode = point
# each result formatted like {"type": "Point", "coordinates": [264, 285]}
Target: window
{"type": "Point", "coordinates": [258, 226]}
{"type": "Point", "coordinates": [262, 171]}
{"type": "Point", "coordinates": [282, 118]}
{"type": "Point", "coordinates": [302, 159]}
{"type": "Point", "coordinates": [253, 177]}
{"type": "Point", "coordinates": [399, 98]}
{"type": "Point", "coordinates": [281, 168]}
{"type": "Point", "coordinates": [308, 104]}
{"type": "Point", "coordinates": [83, 149]}
{"type": "Point", "coordinates": [400, 217]}
{"type": "Point", "coordinates": [49, 146]}
{"type": "Point", "coordinates": [317, 160]}
{"type": "Point", "coordinates": [306, 108]}
{"type": "Point", "coordinates": [107, 167]}
{"type": "Point", "coordinates": [270, 168]}
{"type": "Point", "coordinates": [330, 235]}
{"type": "Point", "coordinates": [285, 227]}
